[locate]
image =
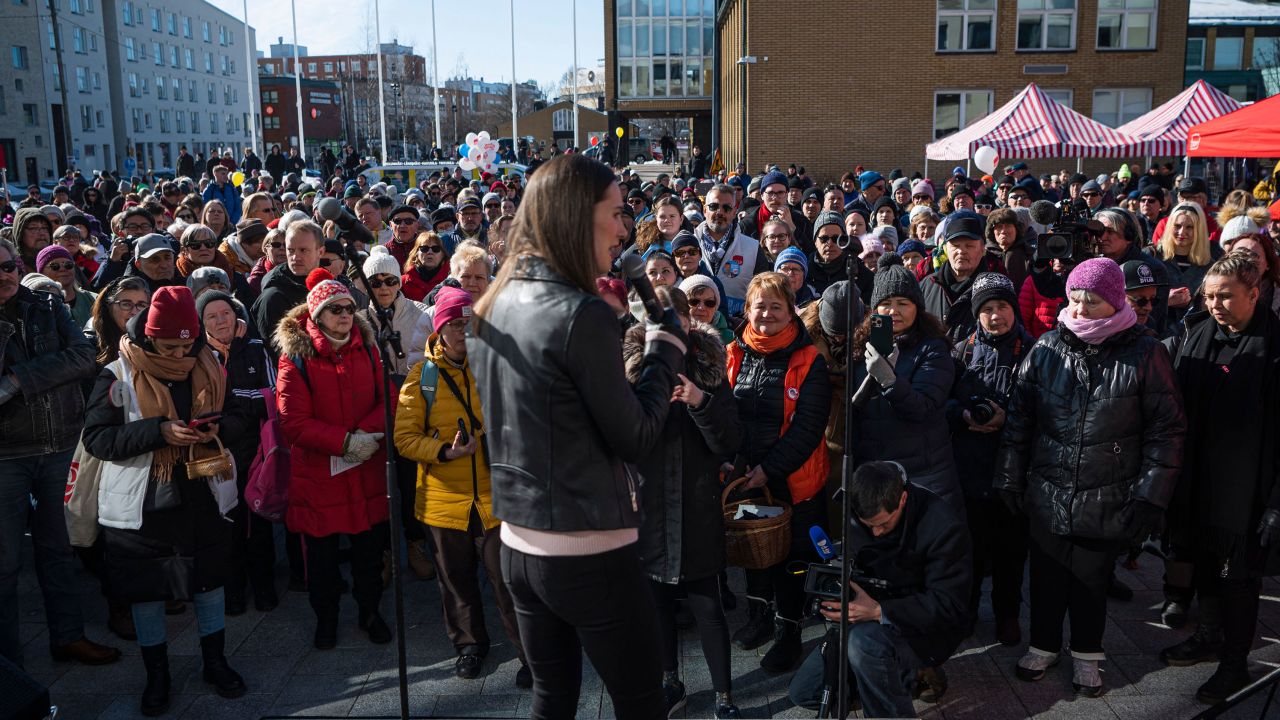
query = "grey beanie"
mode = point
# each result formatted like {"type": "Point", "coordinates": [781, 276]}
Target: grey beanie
{"type": "Point", "coordinates": [203, 277]}
{"type": "Point", "coordinates": [825, 218]}
{"type": "Point", "coordinates": [894, 280]}
{"type": "Point", "coordinates": [833, 311]}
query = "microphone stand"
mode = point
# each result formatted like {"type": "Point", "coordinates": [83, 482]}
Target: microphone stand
{"type": "Point", "coordinates": [389, 393]}
{"type": "Point", "coordinates": [846, 481]}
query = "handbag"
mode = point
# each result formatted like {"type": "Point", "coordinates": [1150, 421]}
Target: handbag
{"type": "Point", "coordinates": [80, 501]}
{"type": "Point", "coordinates": [220, 465]}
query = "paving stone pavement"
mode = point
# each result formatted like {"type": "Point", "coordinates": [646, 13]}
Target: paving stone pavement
{"type": "Point", "coordinates": [287, 677]}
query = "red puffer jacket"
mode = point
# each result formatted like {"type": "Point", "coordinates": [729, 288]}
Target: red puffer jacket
{"type": "Point", "coordinates": [1039, 312]}
{"type": "Point", "coordinates": [341, 392]}
{"type": "Point", "coordinates": [416, 288]}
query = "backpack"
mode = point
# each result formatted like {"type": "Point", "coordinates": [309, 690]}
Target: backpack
{"type": "Point", "coordinates": [427, 381]}
{"type": "Point", "coordinates": [267, 491]}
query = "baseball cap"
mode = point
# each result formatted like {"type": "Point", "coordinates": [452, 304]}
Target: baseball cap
{"type": "Point", "coordinates": [151, 244]}
{"type": "Point", "coordinates": [1192, 186]}
{"type": "Point", "coordinates": [965, 224]}
{"type": "Point", "coordinates": [1139, 274]}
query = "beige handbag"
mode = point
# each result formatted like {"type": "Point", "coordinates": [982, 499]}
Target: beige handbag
{"type": "Point", "coordinates": [219, 465]}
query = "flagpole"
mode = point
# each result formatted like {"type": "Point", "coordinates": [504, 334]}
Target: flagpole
{"type": "Point", "coordinates": [575, 73]}
{"type": "Point", "coordinates": [297, 83]}
{"type": "Point", "coordinates": [252, 73]}
{"type": "Point", "coordinates": [435, 77]}
{"type": "Point", "coordinates": [382, 104]}
{"type": "Point", "coordinates": [515, 130]}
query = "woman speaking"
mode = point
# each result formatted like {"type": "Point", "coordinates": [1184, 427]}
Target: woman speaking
{"type": "Point", "coordinates": [563, 420]}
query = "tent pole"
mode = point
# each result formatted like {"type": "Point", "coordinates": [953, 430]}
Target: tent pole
{"type": "Point", "coordinates": [968, 169]}
{"type": "Point", "coordinates": [1186, 167]}
{"type": "Point", "coordinates": [926, 166]}
{"type": "Point", "coordinates": [1079, 164]}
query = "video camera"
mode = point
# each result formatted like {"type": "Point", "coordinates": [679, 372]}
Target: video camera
{"type": "Point", "coordinates": [822, 580]}
{"type": "Point", "coordinates": [1072, 235]}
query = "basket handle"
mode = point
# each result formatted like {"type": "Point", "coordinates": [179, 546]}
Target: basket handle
{"type": "Point", "coordinates": [191, 449]}
{"type": "Point", "coordinates": [724, 496]}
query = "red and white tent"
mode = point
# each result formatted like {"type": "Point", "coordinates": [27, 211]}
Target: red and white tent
{"type": "Point", "coordinates": [1165, 128]}
{"type": "Point", "coordinates": [1034, 125]}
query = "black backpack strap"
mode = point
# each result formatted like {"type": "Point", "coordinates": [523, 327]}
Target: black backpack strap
{"type": "Point", "coordinates": [475, 422]}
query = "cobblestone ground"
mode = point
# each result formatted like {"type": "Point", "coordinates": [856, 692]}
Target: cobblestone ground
{"type": "Point", "coordinates": [287, 677]}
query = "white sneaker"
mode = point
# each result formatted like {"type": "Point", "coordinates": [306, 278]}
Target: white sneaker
{"type": "Point", "coordinates": [1033, 665]}
{"type": "Point", "coordinates": [1086, 678]}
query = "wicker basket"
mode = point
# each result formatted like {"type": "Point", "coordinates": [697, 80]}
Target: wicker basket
{"type": "Point", "coordinates": [755, 544]}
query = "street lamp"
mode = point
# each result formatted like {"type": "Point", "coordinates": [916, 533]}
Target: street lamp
{"type": "Point", "coordinates": [397, 88]}
{"type": "Point", "coordinates": [455, 121]}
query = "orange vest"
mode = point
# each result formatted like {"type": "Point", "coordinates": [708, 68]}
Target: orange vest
{"type": "Point", "coordinates": [812, 475]}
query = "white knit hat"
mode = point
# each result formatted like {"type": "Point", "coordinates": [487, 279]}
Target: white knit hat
{"type": "Point", "coordinates": [1237, 226]}
{"type": "Point", "coordinates": [380, 262]}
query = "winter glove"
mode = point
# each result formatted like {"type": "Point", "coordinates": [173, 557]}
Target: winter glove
{"type": "Point", "coordinates": [1269, 528]}
{"type": "Point", "coordinates": [1147, 520]}
{"type": "Point", "coordinates": [8, 389]}
{"type": "Point", "coordinates": [666, 340]}
{"type": "Point", "coordinates": [881, 368]}
{"type": "Point", "coordinates": [1012, 499]}
{"type": "Point", "coordinates": [361, 446]}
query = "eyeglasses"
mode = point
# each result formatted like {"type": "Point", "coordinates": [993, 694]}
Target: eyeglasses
{"type": "Point", "coordinates": [715, 207]}
{"type": "Point", "coordinates": [389, 282]}
{"type": "Point", "coordinates": [774, 193]}
{"type": "Point", "coordinates": [133, 228]}
{"type": "Point", "coordinates": [687, 252]}
{"type": "Point", "coordinates": [130, 306]}
{"type": "Point", "coordinates": [827, 238]}
{"type": "Point", "coordinates": [403, 221]}
{"type": "Point", "coordinates": [1139, 301]}
{"type": "Point", "coordinates": [709, 303]}
{"type": "Point", "coordinates": [196, 244]}
{"type": "Point", "coordinates": [635, 201]}
{"type": "Point", "coordinates": [344, 309]}
{"type": "Point", "coordinates": [783, 236]}
{"type": "Point", "coordinates": [458, 325]}
{"type": "Point", "coordinates": [8, 266]}
{"type": "Point", "coordinates": [424, 249]}
{"type": "Point", "coordinates": [60, 266]}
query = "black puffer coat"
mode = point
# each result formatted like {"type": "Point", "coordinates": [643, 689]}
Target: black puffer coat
{"type": "Point", "coordinates": [987, 367]}
{"type": "Point", "coordinates": [682, 534]}
{"type": "Point", "coordinates": [1091, 429]}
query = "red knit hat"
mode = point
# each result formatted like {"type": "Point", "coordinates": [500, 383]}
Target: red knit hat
{"type": "Point", "coordinates": [323, 290]}
{"type": "Point", "coordinates": [172, 315]}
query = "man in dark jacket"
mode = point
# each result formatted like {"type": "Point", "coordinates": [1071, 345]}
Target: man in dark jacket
{"type": "Point", "coordinates": [773, 193]}
{"type": "Point", "coordinates": [827, 265]}
{"type": "Point", "coordinates": [250, 163]}
{"type": "Point", "coordinates": [285, 286]}
{"type": "Point", "coordinates": [186, 163]}
{"type": "Point", "coordinates": [946, 291]}
{"type": "Point", "coordinates": [43, 359]}
{"type": "Point", "coordinates": [911, 609]}
{"type": "Point", "coordinates": [276, 163]}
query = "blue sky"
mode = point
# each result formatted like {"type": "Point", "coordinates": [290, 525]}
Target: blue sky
{"type": "Point", "coordinates": [479, 31]}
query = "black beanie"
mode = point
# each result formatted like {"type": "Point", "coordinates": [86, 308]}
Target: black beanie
{"type": "Point", "coordinates": [992, 286]}
{"type": "Point", "coordinates": [894, 280]}
{"type": "Point", "coordinates": [210, 296]}
{"type": "Point", "coordinates": [684, 239]}
{"type": "Point", "coordinates": [833, 311]}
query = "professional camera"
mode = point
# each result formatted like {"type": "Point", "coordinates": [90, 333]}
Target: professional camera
{"type": "Point", "coordinates": [981, 409]}
{"type": "Point", "coordinates": [1071, 236]}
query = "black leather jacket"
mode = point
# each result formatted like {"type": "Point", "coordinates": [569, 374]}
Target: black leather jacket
{"type": "Point", "coordinates": [1090, 430]}
{"type": "Point", "coordinates": [49, 356]}
{"type": "Point", "coordinates": [562, 418]}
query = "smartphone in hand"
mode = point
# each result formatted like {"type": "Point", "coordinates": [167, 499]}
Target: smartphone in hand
{"type": "Point", "coordinates": [881, 336]}
{"type": "Point", "coordinates": [462, 428]}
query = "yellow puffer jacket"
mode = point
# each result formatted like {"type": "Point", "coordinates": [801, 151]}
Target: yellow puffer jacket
{"type": "Point", "coordinates": [446, 490]}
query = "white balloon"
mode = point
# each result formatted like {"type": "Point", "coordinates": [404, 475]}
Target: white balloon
{"type": "Point", "coordinates": [475, 154]}
{"type": "Point", "coordinates": [986, 158]}
{"type": "Point", "coordinates": [466, 164]}
{"type": "Point", "coordinates": [472, 139]}
{"type": "Point", "coordinates": [483, 135]}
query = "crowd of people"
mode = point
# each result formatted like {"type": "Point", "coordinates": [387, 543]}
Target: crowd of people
{"type": "Point", "coordinates": [1039, 371]}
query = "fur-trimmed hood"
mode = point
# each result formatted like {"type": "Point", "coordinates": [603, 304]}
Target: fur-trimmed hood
{"type": "Point", "coordinates": [292, 338]}
{"type": "Point", "coordinates": [705, 362]}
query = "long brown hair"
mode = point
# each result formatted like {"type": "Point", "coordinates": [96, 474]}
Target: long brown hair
{"type": "Point", "coordinates": [556, 221]}
{"type": "Point", "coordinates": [104, 325]}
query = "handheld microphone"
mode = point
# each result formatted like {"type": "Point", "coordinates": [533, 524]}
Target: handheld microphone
{"type": "Point", "coordinates": [1044, 212]}
{"type": "Point", "coordinates": [821, 543]}
{"type": "Point", "coordinates": [332, 209]}
{"type": "Point", "coordinates": [633, 266]}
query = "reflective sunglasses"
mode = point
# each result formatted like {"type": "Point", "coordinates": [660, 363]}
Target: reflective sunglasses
{"type": "Point", "coordinates": [1140, 302]}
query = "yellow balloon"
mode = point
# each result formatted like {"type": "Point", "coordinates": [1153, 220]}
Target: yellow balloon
{"type": "Point", "coordinates": [619, 132]}
{"type": "Point", "coordinates": [237, 178]}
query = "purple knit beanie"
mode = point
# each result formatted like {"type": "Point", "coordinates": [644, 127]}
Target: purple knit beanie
{"type": "Point", "coordinates": [51, 253]}
{"type": "Point", "coordinates": [1102, 277]}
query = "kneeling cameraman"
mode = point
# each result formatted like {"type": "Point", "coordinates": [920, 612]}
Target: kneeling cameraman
{"type": "Point", "coordinates": [913, 551]}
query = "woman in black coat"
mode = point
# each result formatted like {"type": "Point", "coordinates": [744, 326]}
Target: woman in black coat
{"type": "Point", "coordinates": [249, 371]}
{"type": "Point", "coordinates": [1226, 509]}
{"type": "Point", "coordinates": [164, 531]}
{"type": "Point", "coordinates": [1091, 451]}
{"type": "Point", "coordinates": [682, 536]}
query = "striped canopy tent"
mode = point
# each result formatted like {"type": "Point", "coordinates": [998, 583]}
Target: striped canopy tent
{"type": "Point", "coordinates": [1034, 125]}
{"type": "Point", "coordinates": [1164, 129]}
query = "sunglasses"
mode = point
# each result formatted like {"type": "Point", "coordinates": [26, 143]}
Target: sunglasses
{"type": "Point", "coordinates": [60, 266]}
{"type": "Point", "coordinates": [1090, 194]}
{"type": "Point", "coordinates": [345, 309]}
{"type": "Point", "coordinates": [828, 238]}
{"type": "Point", "coordinates": [326, 262]}
{"type": "Point", "coordinates": [982, 206]}
{"type": "Point", "coordinates": [195, 244]}
{"type": "Point", "coordinates": [714, 207]}
{"type": "Point", "coordinates": [424, 249]}
{"type": "Point", "coordinates": [687, 252]}
{"type": "Point", "coordinates": [8, 266]}
{"type": "Point", "coordinates": [276, 245]}
{"type": "Point", "coordinates": [1139, 302]}
{"type": "Point", "coordinates": [403, 221]}
{"type": "Point", "coordinates": [709, 304]}
{"type": "Point", "coordinates": [389, 282]}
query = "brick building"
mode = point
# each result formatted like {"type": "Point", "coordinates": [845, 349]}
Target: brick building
{"type": "Point", "coordinates": [322, 112]}
{"type": "Point", "coordinates": [828, 84]}
{"type": "Point", "coordinates": [1234, 45]}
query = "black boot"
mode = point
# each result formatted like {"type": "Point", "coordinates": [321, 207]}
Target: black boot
{"type": "Point", "coordinates": [155, 696]}
{"type": "Point", "coordinates": [326, 629]}
{"type": "Point", "coordinates": [1231, 676]}
{"type": "Point", "coordinates": [786, 649]}
{"type": "Point", "coordinates": [1205, 644]}
{"type": "Point", "coordinates": [373, 624]}
{"type": "Point", "coordinates": [759, 627]}
{"type": "Point", "coordinates": [217, 672]}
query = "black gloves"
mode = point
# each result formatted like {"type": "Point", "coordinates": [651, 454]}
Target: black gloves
{"type": "Point", "coordinates": [1269, 527]}
{"type": "Point", "coordinates": [1147, 520]}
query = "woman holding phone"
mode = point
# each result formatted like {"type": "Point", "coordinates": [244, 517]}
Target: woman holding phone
{"type": "Point", "coordinates": [563, 422]}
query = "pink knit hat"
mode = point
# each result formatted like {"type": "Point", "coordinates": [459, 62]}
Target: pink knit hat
{"type": "Point", "coordinates": [324, 290]}
{"type": "Point", "coordinates": [451, 303]}
{"type": "Point", "coordinates": [1102, 277]}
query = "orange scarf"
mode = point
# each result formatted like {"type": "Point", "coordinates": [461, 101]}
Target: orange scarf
{"type": "Point", "coordinates": [769, 344]}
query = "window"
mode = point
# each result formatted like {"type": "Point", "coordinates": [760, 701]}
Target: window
{"type": "Point", "coordinates": [213, 93]}
{"type": "Point", "coordinates": [342, 66]}
{"type": "Point", "coordinates": [57, 78]}
{"type": "Point", "coordinates": [173, 24]}
{"type": "Point", "coordinates": [1228, 53]}
{"type": "Point", "coordinates": [189, 58]}
{"type": "Point", "coordinates": [213, 122]}
{"type": "Point", "coordinates": [186, 28]}
{"type": "Point", "coordinates": [129, 52]}
{"type": "Point", "coordinates": [19, 53]}
{"type": "Point", "coordinates": [311, 68]}
{"type": "Point", "coordinates": [177, 89]}
{"type": "Point", "coordinates": [82, 79]}
{"type": "Point", "coordinates": [191, 91]}
{"type": "Point", "coordinates": [208, 62]}
{"type": "Point", "coordinates": [954, 110]}
{"type": "Point", "coordinates": [162, 88]}
{"type": "Point", "coordinates": [1046, 24]}
{"type": "Point", "coordinates": [966, 25]}
{"type": "Point", "coordinates": [222, 35]}
{"type": "Point", "coordinates": [146, 120]}
{"type": "Point", "coordinates": [164, 121]}
{"type": "Point", "coordinates": [1062, 97]}
{"type": "Point", "coordinates": [157, 53]}
{"type": "Point", "coordinates": [155, 19]}
{"type": "Point", "coordinates": [1195, 53]}
{"type": "Point", "coordinates": [86, 117]}
{"type": "Point", "coordinates": [328, 67]}
{"type": "Point", "coordinates": [1127, 24]}
{"type": "Point", "coordinates": [180, 119]}
{"type": "Point", "coordinates": [195, 122]}
{"type": "Point", "coordinates": [31, 114]}
{"type": "Point", "coordinates": [93, 42]}
{"type": "Point", "coordinates": [271, 123]}
{"type": "Point", "coordinates": [90, 150]}
{"type": "Point", "coordinates": [52, 45]}
{"type": "Point", "coordinates": [77, 40]}
{"type": "Point", "coordinates": [204, 34]}
{"type": "Point", "coordinates": [97, 81]}
{"type": "Point", "coordinates": [76, 7]}
{"type": "Point", "coordinates": [134, 90]}
{"type": "Point", "coordinates": [1117, 107]}
{"type": "Point", "coordinates": [225, 65]}
{"type": "Point", "coordinates": [126, 12]}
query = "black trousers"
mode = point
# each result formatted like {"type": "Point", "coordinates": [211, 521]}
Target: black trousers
{"type": "Point", "coordinates": [1069, 575]}
{"type": "Point", "coordinates": [366, 570]}
{"type": "Point", "coordinates": [407, 480]}
{"type": "Point", "coordinates": [253, 551]}
{"type": "Point", "coordinates": [703, 599]}
{"type": "Point", "coordinates": [783, 588]}
{"type": "Point", "coordinates": [597, 603]}
{"type": "Point", "coordinates": [1000, 542]}
{"type": "Point", "coordinates": [1238, 599]}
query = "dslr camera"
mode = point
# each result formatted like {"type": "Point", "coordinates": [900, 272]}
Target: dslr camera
{"type": "Point", "coordinates": [980, 408]}
{"type": "Point", "coordinates": [1071, 236]}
